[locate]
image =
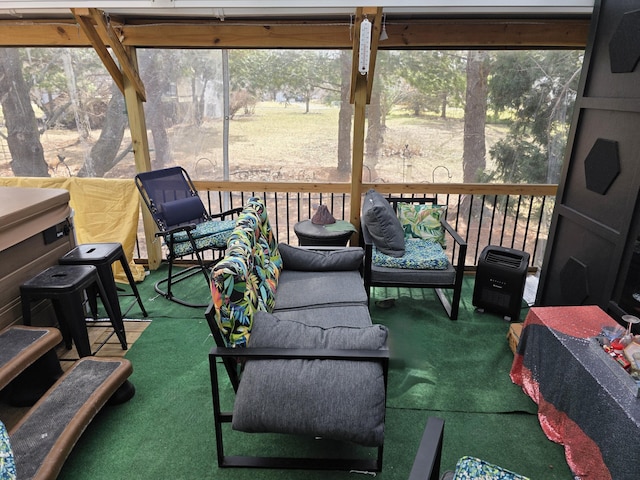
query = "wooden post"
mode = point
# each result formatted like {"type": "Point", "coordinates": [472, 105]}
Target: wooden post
{"type": "Point", "coordinates": [357, 160]}
{"type": "Point", "coordinates": [360, 95]}
{"type": "Point", "coordinates": [139, 140]}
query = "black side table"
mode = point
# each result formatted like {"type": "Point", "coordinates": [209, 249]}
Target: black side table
{"type": "Point", "coordinates": [309, 233]}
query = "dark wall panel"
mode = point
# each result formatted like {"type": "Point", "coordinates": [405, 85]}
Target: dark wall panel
{"type": "Point", "coordinates": [579, 269]}
{"type": "Point", "coordinates": [593, 226]}
{"type": "Point", "coordinates": [611, 32]}
{"type": "Point", "coordinates": [616, 166]}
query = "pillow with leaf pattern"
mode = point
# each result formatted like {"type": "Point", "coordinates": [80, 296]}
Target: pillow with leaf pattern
{"type": "Point", "coordinates": [422, 221]}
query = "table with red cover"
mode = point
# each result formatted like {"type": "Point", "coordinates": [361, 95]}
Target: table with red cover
{"type": "Point", "coordinates": [581, 403]}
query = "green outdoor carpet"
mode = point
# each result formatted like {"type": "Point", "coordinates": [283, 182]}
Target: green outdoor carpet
{"type": "Point", "coordinates": [447, 365]}
{"type": "Point", "coordinates": [456, 370]}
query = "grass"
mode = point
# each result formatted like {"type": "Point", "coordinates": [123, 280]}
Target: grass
{"type": "Point", "coordinates": [283, 143]}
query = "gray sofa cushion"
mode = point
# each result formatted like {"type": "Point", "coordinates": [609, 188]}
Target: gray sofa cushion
{"type": "Point", "coordinates": [382, 224]}
{"type": "Point", "coordinates": [337, 399]}
{"type": "Point", "coordinates": [309, 260]}
{"type": "Point", "coordinates": [305, 289]}
{"type": "Point", "coordinates": [328, 316]}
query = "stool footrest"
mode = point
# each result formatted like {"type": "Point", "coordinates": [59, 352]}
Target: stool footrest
{"type": "Point", "coordinates": [45, 436]}
{"type": "Point", "coordinates": [21, 346]}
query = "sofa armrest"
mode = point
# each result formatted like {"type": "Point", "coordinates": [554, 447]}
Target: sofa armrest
{"type": "Point", "coordinates": [426, 465]}
{"type": "Point", "coordinates": [172, 231]}
{"type": "Point", "coordinates": [461, 245]}
{"type": "Point", "coordinates": [455, 235]}
{"type": "Point", "coordinates": [380, 355]}
{"type": "Point", "coordinates": [227, 213]}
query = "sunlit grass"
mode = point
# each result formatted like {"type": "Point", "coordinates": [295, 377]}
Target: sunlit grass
{"type": "Point", "coordinates": [279, 142]}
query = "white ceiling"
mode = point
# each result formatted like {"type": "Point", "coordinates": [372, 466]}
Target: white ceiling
{"type": "Point", "coordinates": [292, 8]}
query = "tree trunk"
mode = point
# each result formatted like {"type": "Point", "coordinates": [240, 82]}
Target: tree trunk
{"type": "Point", "coordinates": [475, 116]}
{"type": "Point", "coordinates": [443, 106]}
{"type": "Point", "coordinates": [155, 86]}
{"type": "Point", "coordinates": [81, 118]}
{"type": "Point", "coordinates": [102, 157]}
{"type": "Point", "coordinates": [23, 137]}
{"type": "Point", "coordinates": [345, 116]}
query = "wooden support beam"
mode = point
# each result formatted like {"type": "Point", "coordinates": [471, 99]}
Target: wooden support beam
{"type": "Point", "coordinates": [361, 86]}
{"type": "Point", "coordinates": [375, 38]}
{"type": "Point", "coordinates": [140, 142]}
{"type": "Point", "coordinates": [357, 160]}
{"type": "Point", "coordinates": [106, 29]}
{"type": "Point", "coordinates": [374, 15]}
{"type": "Point", "coordinates": [101, 49]}
{"type": "Point", "coordinates": [94, 25]}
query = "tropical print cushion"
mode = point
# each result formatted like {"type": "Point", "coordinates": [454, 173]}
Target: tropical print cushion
{"type": "Point", "coordinates": [422, 221]}
{"type": "Point", "coordinates": [7, 463]}
{"type": "Point", "coordinates": [214, 233]}
{"type": "Point", "coordinates": [245, 280]}
{"type": "Point", "coordinates": [469, 468]}
{"type": "Point", "coordinates": [267, 259]}
{"type": "Point", "coordinates": [234, 293]}
{"type": "Point", "coordinates": [419, 255]}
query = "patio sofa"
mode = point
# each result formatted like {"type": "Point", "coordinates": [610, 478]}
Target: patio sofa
{"type": "Point", "coordinates": [276, 311]}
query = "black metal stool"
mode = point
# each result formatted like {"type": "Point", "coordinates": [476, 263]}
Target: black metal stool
{"type": "Point", "coordinates": [65, 285]}
{"type": "Point", "coordinates": [102, 256]}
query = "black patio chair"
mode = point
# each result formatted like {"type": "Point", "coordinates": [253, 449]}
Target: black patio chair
{"type": "Point", "coordinates": [377, 222]}
{"type": "Point", "coordinates": [184, 224]}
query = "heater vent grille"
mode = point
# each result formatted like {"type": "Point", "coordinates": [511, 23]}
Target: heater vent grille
{"type": "Point", "coordinates": [504, 259]}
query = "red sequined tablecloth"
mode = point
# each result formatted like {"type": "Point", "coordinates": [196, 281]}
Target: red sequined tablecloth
{"type": "Point", "coordinates": [581, 405]}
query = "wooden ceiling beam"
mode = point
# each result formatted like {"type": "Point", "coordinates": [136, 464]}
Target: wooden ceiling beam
{"type": "Point", "coordinates": [434, 33]}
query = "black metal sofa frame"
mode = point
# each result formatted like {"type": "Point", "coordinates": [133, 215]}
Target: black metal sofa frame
{"type": "Point", "coordinates": [231, 357]}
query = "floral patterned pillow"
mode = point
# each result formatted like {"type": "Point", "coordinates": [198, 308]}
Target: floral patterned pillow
{"type": "Point", "coordinates": [419, 255]}
{"type": "Point", "coordinates": [469, 468]}
{"type": "Point", "coordinates": [422, 221]}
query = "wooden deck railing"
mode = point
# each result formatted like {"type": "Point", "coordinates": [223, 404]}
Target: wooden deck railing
{"type": "Point", "coordinates": [514, 216]}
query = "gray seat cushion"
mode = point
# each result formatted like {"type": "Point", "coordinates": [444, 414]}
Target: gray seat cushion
{"type": "Point", "coordinates": [336, 399]}
{"type": "Point", "coordinates": [298, 289]}
{"type": "Point", "coordinates": [328, 316]}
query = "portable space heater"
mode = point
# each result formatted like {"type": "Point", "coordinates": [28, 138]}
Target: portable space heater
{"type": "Point", "coordinates": [500, 279]}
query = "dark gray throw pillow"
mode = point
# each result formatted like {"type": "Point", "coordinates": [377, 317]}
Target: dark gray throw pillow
{"type": "Point", "coordinates": [337, 399]}
{"type": "Point", "coordinates": [307, 260]}
{"type": "Point", "coordinates": [383, 224]}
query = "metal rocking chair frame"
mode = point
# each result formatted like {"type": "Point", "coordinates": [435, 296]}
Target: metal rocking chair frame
{"type": "Point", "coordinates": [173, 201]}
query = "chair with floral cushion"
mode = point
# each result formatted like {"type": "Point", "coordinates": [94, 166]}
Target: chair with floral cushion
{"type": "Point", "coordinates": [426, 465]}
{"type": "Point", "coordinates": [409, 243]}
{"type": "Point", "coordinates": [184, 224]}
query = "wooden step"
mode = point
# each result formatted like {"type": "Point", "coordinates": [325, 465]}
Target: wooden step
{"type": "Point", "coordinates": [44, 437]}
{"type": "Point", "coordinates": [21, 346]}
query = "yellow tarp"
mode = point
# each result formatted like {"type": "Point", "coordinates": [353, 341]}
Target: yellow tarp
{"type": "Point", "coordinates": [105, 210]}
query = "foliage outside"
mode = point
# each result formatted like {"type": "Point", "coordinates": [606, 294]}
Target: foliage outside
{"type": "Point", "coordinates": [290, 119]}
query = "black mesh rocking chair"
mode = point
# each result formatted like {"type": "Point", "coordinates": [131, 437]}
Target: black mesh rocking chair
{"type": "Point", "coordinates": [184, 224]}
